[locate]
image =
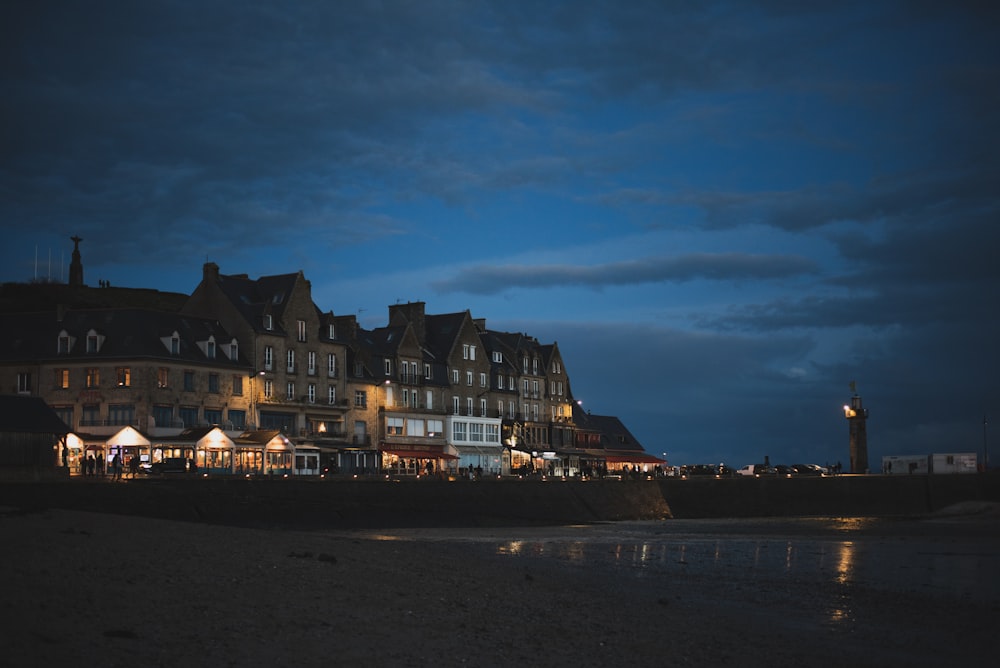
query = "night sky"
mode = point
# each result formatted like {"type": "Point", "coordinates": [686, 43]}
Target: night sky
{"type": "Point", "coordinates": [723, 213]}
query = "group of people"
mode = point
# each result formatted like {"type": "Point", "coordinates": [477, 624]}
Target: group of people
{"type": "Point", "coordinates": [94, 466]}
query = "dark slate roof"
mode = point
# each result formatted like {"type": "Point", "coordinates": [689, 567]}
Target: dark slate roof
{"type": "Point", "coordinates": [129, 334]}
{"type": "Point", "coordinates": [441, 331]}
{"type": "Point", "coordinates": [24, 297]}
{"type": "Point", "coordinates": [615, 436]}
{"type": "Point", "coordinates": [29, 415]}
{"type": "Point", "coordinates": [254, 298]}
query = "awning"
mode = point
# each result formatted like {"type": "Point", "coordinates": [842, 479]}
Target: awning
{"type": "Point", "coordinates": [636, 458]}
{"type": "Point", "coordinates": [418, 454]}
{"type": "Point", "coordinates": [491, 449]}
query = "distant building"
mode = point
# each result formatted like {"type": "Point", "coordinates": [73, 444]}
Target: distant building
{"type": "Point", "coordinates": [427, 393]}
{"type": "Point", "coordinates": [32, 438]}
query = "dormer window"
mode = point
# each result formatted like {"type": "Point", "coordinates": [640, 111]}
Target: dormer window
{"type": "Point", "coordinates": [94, 341]}
{"type": "Point", "coordinates": [234, 350]}
{"type": "Point", "coordinates": [497, 357]}
{"type": "Point", "coordinates": [268, 321]}
{"type": "Point", "coordinates": [332, 333]}
{"type": "Point", "coordinates": [210, 349]}
{"type": "Point", "coordinates": [175, 345]}
{"type": "Point", "coordinates": [65, 343]}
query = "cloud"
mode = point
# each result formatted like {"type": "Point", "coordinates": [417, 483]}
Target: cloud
{"type": "Point", "coordinates": [487, 280]}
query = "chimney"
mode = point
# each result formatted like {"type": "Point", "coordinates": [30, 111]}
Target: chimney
{"type": "Point", "coordinates": [210, 272]}
{"type": "Point", "coordinates": [412, 313]}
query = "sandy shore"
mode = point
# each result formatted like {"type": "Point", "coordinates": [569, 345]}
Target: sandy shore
{"type": "Point", "coordinates": [108, 590]}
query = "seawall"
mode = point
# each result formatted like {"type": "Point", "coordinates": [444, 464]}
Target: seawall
{"type": "Point", "coordinates": [345, 504]}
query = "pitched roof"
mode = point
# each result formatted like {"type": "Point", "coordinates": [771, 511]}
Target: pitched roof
{"type": "Point", "coordinates": [29, 415]}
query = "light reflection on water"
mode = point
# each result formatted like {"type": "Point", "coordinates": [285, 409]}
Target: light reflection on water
{"type": "Point", "coordinates": [841, 557]}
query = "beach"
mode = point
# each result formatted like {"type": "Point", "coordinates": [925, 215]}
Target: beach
{"type": "Point", "coordinates": [103, 589]}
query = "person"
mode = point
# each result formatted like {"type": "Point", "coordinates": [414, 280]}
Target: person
{"type": "Point", "coordinates": [99, 465]}
{"type": "Point", "coordinates": [116, 467]}
{"type": "Point", "coordinates": [133, 465]}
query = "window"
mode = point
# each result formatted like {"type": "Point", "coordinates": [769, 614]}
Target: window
{"type": "Point", "coordinates": [64, 344]}
{"type": "Point", "coordinates": [429, 405]}
{"type": "Point", "coordinates": [387, 363]}
{"type": "Point", "coordinates": [92, 377]}
{"type": "Point", "coordinates": [189, 381]}
{"type": "Point", "coordinates": [163, 377]}
{"type": "Point", "coordinates": [499, 381]}
{"type": "Point", "coordinates": [465, 351]}
{"type": "Point", "coordinates": [268, 358]}
{"type": "Point", "coordinates": [482, 407]}
{"type": "Point", "coordinates": [91, 415]}
{"type": "Point", "coordinates": [62, 379]}
{"type": "Point", "coordinates": [237, 386]}
{"type": "Point", "coordinates": [524, 384]}
{"type": "Point", "coordinates": [454, 376]}
{"type": "Point", "coordinates": [300, 325]}
{"type": "Point", "coordinates": [213, 383]}
{"type": "Point", "coordinates": [24, 383]}
{"type": "Point", "coordinates": [476, 432]}
{"type": "Point", "coordinates": [121, 414]}
{"type": "Point", "coordinates": [268, 389]}
{"type": "Point", "coordinates": [492, 433]}
{"type": "Point", "coordinates": [331, 365]}
{"type": "Point", "coordinates": [534, 366]}
{"type": "Point", "coordinates": [290, 360]}
{"type": "Point", "coordinates": [534, 389]}
{"type": "Point", "coordinates": [483, 379]}
{"type": "Point", "coordinates": [468, 378]}
{"type": "Point", "coordinates": [289, 390]}
{"type": "Point", "coordinates": [163, 415]}
{"type": "Point", "coordinates": [435, 428]}
{"type": "Point", "coordinates": [454, 405]}
{"type": "Point", "coordinates": [311, 363]}
{"type": "Point", "coordinates": [458, 430]}
{"type": "Point", "coordinates": [175, 345]}
{"type": "Point", "coordinates": [427, 371]}
{"type": "Point", "coordinates": [234, 351]}
{"type": "Point", "coordinates": [414, 427]}
{"type": "Point", "coordinates": [394, 426]}
{"type": "Point", "coordinates": [331, 395]}
{"type": "Point", "coordinates": [91, 343]}
{"type": "Point", "coordinates": [510, 410]}
{"type": "Point", "coordinates": [331, 331]}
{"type": "Point", "coordinates": [497, 357]}
{"type": "Point", "coordinates": [213, 416]}
{"type": "Point", "coordinates": [360, 399]}
{"type": "Point", "coordinates": [238, 418]}
{"type": "Point", "coordinates": [65, 414]}
{"type": "Point", "coordinates": [268, 321]}
{"type": "Point", "coordinates": [524, 364]}
{"type": "Point", "coordinates": [210, 349]}
{"type": "Point", "coordinates": [123, 376]}
{"type": "Point", "coordinates": [311, 392]}
{"type": "Point", "coordinates": [468, 406]}
{"type": "Point", "coordinates": [188, 415]}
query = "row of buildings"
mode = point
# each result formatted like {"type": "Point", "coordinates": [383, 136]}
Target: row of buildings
{"type": "Point", "coordinates": [277, 384]}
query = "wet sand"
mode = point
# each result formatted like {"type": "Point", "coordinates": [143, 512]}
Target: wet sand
{"type": "Point", "coordinates": [108, 590]}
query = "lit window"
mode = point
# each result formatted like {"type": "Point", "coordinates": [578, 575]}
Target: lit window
{"type": "Point", "coordinates": [123, 376]}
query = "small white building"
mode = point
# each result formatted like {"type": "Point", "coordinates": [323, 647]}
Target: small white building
{"type": "Point", "coordinates": [962, 462]}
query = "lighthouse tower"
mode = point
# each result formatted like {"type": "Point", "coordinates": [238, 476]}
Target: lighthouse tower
{"type": "Point", "coordinates": [857, 415]}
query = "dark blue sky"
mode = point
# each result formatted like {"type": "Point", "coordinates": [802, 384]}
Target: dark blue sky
{"type": "Point", "coordinates": [723, 213]}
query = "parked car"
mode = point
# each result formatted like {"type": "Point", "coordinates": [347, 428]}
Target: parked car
{"type": "Point", "coordinates": [786, 471]}
{"type": "Point", "coordinates": [757, 470]}
{"type": "Point", "coordinates": [808, 469]}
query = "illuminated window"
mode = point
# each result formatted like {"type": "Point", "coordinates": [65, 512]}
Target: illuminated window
{"type": "Point", "coordinates": [62, 379]}
{"type": "Point", "coordinates": [123, 376]}
{"type": "Point", "coordinates": [92, 377]}
{"type": "Point", "coordinates": [163, 377]}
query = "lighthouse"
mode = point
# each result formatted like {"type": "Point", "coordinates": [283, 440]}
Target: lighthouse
{"type": "Point", "coordinates": [857, 415]}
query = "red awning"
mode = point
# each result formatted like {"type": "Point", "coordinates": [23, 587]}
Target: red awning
{"type": "Point", "coordinates": [636, 458]}
{"type": "Point", "coordinates": [418, 454]}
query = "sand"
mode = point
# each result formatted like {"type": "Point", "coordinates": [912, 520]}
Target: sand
{"type": "Point", "coordinates": [97, 589]}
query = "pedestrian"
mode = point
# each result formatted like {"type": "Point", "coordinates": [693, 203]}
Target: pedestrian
{"type": "Point", "coordinates": [116, 467]}
{"type": "Point", "coordinates": [133, 465]}
{"type": "Point", "coordinates": [99, 465]}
